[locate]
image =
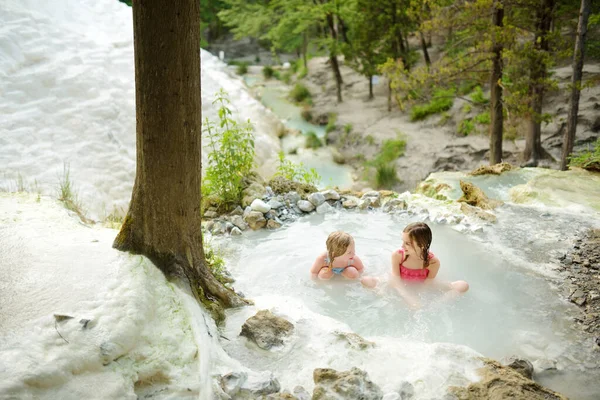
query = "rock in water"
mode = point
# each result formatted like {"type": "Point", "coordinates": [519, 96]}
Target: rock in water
{"type": "Point", "coordinates": [266, 330]}
{"type": "Point", "coordinates": [474, 196]}
{"type": "Point", "coordinates": [495, 169]}
{"type": "Point", "coordinates": [354, 384]}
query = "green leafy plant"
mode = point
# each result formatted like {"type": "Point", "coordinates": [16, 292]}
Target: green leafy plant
{"type": "Point", "coordinates": [306, 114]}
{"type": "Point", "coordinates": [232, 154]}
{"type": "Point", "coordinates": [386, 176]}
{"type": "Point", "coordinates": [466, 127]}
{"type": "Point", "coordinates": [442, 101]}
{"type": "Point", "coordinates": [589, 160]}
{"type": "Point", "coordinates": [347, 128]}
{"type": "Point", "coordinates": [483, 118]}
{"type": "Point", "coordinates": [391, 150]}
{"type": "Point", "coordinates": [268, 71]}
{"type": "Point", "coordinates": [296, 172]}
{"type": "Point", "coordinates": [216, 262]}
{"type": "Point", "coordinates": [301, 94]}
{"type": "Point", "coordinates": [478, 97]}
{"type": "Point", "coordinates": [313, 141]}
{"type": "Point", "coordinates": [331, 123]}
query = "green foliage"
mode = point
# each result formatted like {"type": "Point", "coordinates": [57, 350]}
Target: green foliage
{"type": "Point", "coordinates": [300, 94]}
{"type": "Point", "coordinates": [466, 108]}
{"type": "Point", "coordinates": [392, 150]}
{"type": "Point", "coordinates": [296, 172]}
{"type": "Point", "coordinates": [347, 128]}
{"type": "Point", "coordinates": [466, 127]}
{"type": "Point", "coordinates": [268, 72]}
{"type": "Point", "coordinates": [232, 154]}
{"type": "Point", "coordinates": [483, 118]}
{"type": "Point", "coordinates": [313, 141]}
{"type": "Point", "coordinates": [286, 77]}
{"type": "Point", "coordinates": [331, 123]}
{"type": "Point", "coordinates": [478, 97]}
{"type": "Point", "coordinates": [588, 159]}
{"type": "Point", "coordinates": [306, 114]}
{"type": "Point", "coordinates": [302, 72]}
{"type": "Point", "coordinates": [242, 68]}
{"type": "Point", "coordinates": [386, 176]}
{"type": "Point", "coordinates": [442, 101]}
{"type": "Point", "coordinates": [216, 262]}
{"type": "Point", "coordinates": [370, 140]}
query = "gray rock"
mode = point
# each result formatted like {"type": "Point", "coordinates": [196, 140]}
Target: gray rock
{"type": "Point", "coordinates": [272, 214]}
{"type": "Point", "coordinates": [236, 232]}
{"type": "Point", "coordinates": [274, 224]}
{"type": "Point", "coordinates": [292, 198]}
{"type": "Point", "coordinates": [232, 382]}
{"type": "Point", "coordinates": [263, 384]}
{"type": "Point", "coordinates": [237, 211]}
{"type": "Point", "coordinates": [578, 297]}
{"type": "Point", "coordinates": [256, 220]}
{"type": "Point", "coordinates": [254, 191]}
{"type": "Point", "coordinates": [522, 366]}
{"type": "Point", "coordinates": [355, 341]}
{"type": "Point", "coordinates": [330, 194]}
{"type": "Point", "coordinates": [544, 364]}
{"type": "Point", "coordinates": [394, 204]}
{"type": "Point", "coordinates": [301, 393]}
{"type": "Point", "coordinates": [247, 211]}
{"type": "Point", "coordinates": [324, 208]}
{"type": "Point", "coordinates": [266, 329]}
{"type": "Point", "coordinates": [367, 202]}
{"type": "Point", "coordinates": [219, 228]}
{"type": "Point", "coordinates": [275, 204]}
{"type": "Point", "coordinates": [269, 191]}
{"type": "Point", "coordinates": [371, 194]}
{"type": "Point", "coordinates": [350, 202]}
{"type": "Point", "coordinates": [259, 205]}
{"type": "Point", "coordinates": [305, 206]}
{"type": "Point", "coordinates": [316, 199]}
{"type": "Point", "coordinates": [406, 391]}
{"type": "Point", "coordinates": [211, 214]}
{"type": "Point", "coordinates": [239, 222]}
{"type": "Point", "coordinates": [353, 384]}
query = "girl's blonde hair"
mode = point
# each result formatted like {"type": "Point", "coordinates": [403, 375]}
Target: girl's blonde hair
{"type": "Point", "coordinates": [337, 243]}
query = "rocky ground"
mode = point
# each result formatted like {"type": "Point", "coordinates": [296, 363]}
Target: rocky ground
{"type": "Point", "coordinates": [434, 144]}
{"type": "Point", "coordinates": [582, 265]}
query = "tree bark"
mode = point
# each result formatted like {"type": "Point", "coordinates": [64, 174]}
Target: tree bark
{"type": "Point", "coordinates": [578, 57]}
{"type": "Point", "coordinates": [389, 99]}
{"type": "Point", "coordinates": [333, 60]}
{"type": "Point", "coordinates": [496, 115]}
{"type": "Point", "coordinates": [533, 142]}
{"type": "Point", "coordinates": [371, 87]}
{"type": "Point", "coordinates": [424, 48]}
{"type": "Point", "coordinates": [163, 221]}
{"type": "Point", "coordinates": [305, 49]}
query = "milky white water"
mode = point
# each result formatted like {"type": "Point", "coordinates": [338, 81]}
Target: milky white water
{"type": "Point", "coordinates": [66, 73]}
{"type": "Point", "coordinates": [67, 97]}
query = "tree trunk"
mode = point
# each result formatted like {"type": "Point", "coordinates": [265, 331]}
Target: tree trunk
{"type": "Point", "coordinates": [496, 115]}
{"type": "Point", "coordinates": [333, 60]}
{"type": "Point", "coordinates": [533, 142]}
{"type": "Point", "coordinates": [578, 57]}
{"type": "Point", "coordinates": [163, 221]}
{"type": "Point", "coordinates": [344, 30]}
{"type": "Point", "coordinates": [424, 48]}
{"type": "Point", "coordinates": [371, 87]}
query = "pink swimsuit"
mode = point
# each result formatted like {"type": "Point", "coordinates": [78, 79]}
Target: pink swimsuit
{"type": "Point", "coordinates": [408, 274]}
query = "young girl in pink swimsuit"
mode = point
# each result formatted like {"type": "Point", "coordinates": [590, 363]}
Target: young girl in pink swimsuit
{"type": "Point", "coordinates": [413, 262]}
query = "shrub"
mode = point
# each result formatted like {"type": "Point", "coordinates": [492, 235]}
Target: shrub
{"type": "Point", "coordinates": [386, 176]}
{"type": "Point", "coordinates": [300, 94]}
{"type": "Point", "coordinates": [466, 127]}
{"type": "Point", "coordinates": [313, 141]}
{"type": "Point", "coordinates": [216, 262]}
{"type": "Point", "coordinates": [268, 71]}
{"type": "Point", "coordinates": [442, 101]}
{"type": "Point", "coordinates": [296, 172]}
{"type": "Point", "coordinates": [391, 150]}
{"type": "Point", "coordinates": [587, 160]}
{"type": "Point", "coordinates": [306, 114]}
{"type": "Point", "coordinates": [347, 128]}
{"type": "Point", "coordinates": [483, 118]}
{"type": "Point", "coordinates": [286, 77]}
{"type": "Point", "coordinates": [242, 68]}
{"type": "Point", "coordinates": [478, 97]}
{"type": "Point", "coordinates": [302, 72]}
{"type": "Point", "coordinates": [232, 155]}
{"type": "Point", "coordinates": [331, 123]}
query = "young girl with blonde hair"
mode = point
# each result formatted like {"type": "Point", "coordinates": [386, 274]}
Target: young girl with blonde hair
{"type": "Point", "coordinates": [339, 259]}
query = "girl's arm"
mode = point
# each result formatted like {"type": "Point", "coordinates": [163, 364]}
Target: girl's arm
{"type": "Point", "coordinates": [397, 258]}
{"type": "Point", "coordinates": [317, 265]}
{"type": "Point", "coordinates": [434, 267]}
{"type": "Point", "coordinates": [358, 264]}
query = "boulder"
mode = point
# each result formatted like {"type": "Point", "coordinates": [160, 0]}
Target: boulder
{"type": "Point", "coordinates": [256, 220]}
{"type": "Point", "coordinates": [522, 366]}
{"type": "Point", "coordinates": [355, 341]}
{"type": "Point", "coordinates": [259, 205]}
{"type": "Point", "coordinates": [324, 208]}
{"type": "Point", "coordinates": [474, 196]}
{"type": "Point", "coordinates": [354, 384]}
{"type": "Point", "coordinates": [266, 330]}
{"type": "Point", "coordinates": [500, 382]}
{"type": "Point", "coordinates": [254, 191]}
{"type": "Point", "coordinates": [476, 212]}
{"type": "Point", "coordinates": [394, 204]}
{"type": "Point", "coordinates": [495, 169]}
{"type": "Point", "coordinates": [305, 206]}
{"type": "Point", "coordinates": [316, 198]}
{"type": "Point", "coordinates": [331, 194]}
